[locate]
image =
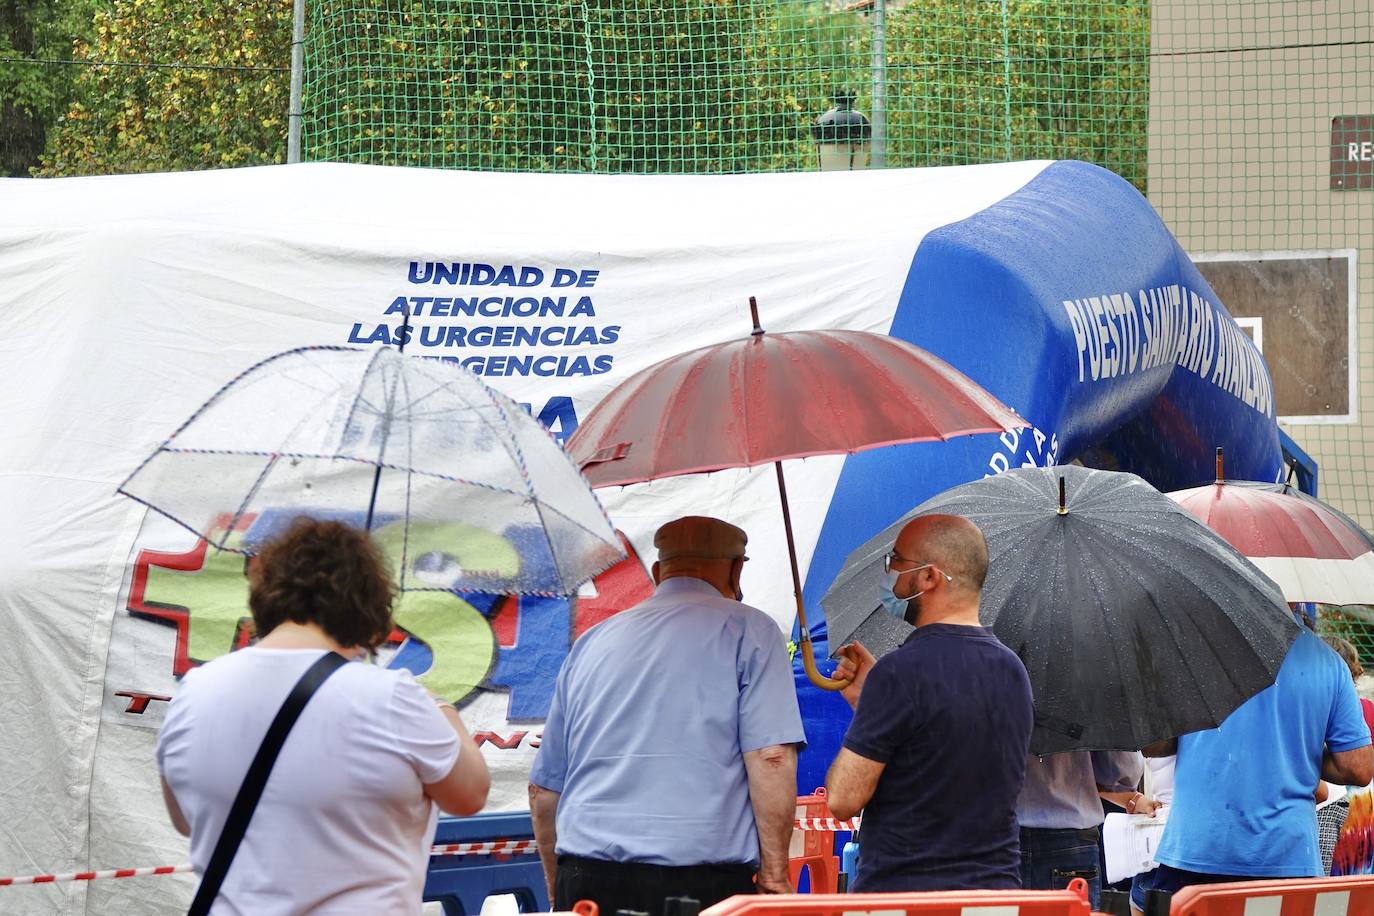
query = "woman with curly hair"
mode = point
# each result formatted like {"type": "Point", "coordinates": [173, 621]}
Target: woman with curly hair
{"type": "Point", "coordinates": [349, 811]}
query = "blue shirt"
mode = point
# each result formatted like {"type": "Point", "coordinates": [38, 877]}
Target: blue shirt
{"type": "Point", "coordinates": [1061, 789]}
{"type": "Point", "coordinates": [652, 713]}
{"type": "Point", "coordinates": [1243, 791]}
{"type": "Point", "coordinates": [950, 715]}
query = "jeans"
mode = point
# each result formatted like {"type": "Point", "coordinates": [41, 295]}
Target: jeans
{"type": "Point", "coordinates": [1172, 880]}
{"type": "Point", "coordinates": [1050, 859]}
{"type": "Point", "coordinates": [643, 888]}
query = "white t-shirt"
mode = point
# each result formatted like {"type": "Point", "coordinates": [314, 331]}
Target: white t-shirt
{"type": "Point", "coordinates": [344, 826]}
{"type": "Point", "coordinates": [1159, 778]}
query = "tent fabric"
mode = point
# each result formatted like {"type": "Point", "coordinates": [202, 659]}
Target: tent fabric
{"type": "Point", "coordinates": [127, 301]}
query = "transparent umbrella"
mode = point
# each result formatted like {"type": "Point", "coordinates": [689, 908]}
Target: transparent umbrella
{"type": "Point", "coordinates": [455, 479]}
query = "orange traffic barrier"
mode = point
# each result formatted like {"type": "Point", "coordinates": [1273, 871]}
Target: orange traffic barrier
{"type": "Point", "coordinates": [1353, 896]}
{"type": "Point", "coordinates": [814, 850]}
{"type": "Point", "coordinates": [1070, 902]}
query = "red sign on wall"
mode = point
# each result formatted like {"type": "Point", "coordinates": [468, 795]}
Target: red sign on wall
{"type": "Point", "coordinates": [1352, 152]}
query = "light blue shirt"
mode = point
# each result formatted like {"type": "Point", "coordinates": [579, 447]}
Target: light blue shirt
{"type": "Point", "coordinates": [652, 713]}
{"type": "Point", "coordinates": [1060, 791]}
{"type": "Point", "coordinates": [1243, 792]}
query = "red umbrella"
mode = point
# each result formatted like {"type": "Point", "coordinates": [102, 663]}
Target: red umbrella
{"type": "Point", "coordinates": [771, 397]}
{"type": "Point", "coordinates": [1313, 551]}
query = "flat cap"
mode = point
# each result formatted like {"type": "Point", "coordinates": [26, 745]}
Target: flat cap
{"type": "Point", "coordinates": [700, 537]}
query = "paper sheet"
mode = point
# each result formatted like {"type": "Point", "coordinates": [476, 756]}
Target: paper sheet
{"type": "Point", "coordinates": [1130, 842]}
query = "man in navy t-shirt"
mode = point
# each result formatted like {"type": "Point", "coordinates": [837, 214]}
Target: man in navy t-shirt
{"type": "Point", "coordinates": [936, 754]}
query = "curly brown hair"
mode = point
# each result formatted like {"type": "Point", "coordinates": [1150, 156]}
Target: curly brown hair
{"type": "Point", "coordinates": [1348, 653]}
{"type": "Point", "coordinates": [325, 573]}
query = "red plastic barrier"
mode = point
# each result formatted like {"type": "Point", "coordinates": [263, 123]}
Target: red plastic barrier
{"type": "Point", "coordinates": [814, 850]}
{"type": "Point", "coordinates": [1293, 897]}
{"type": "Point", "coordinates": [1070, 902]}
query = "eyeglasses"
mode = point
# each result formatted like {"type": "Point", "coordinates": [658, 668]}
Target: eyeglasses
{"type": "Point", "coordinates": [889, 558]}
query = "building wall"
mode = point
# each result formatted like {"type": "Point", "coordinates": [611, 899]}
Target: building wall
{"type": "Point", "coordinates": [1242, 95]}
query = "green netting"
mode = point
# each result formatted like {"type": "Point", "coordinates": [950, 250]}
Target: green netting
{"type": "Point", "coordinates": [722, 85]}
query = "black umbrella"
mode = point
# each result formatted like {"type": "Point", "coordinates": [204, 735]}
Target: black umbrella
{"type": "Point", "coordinates": [1135, 621]}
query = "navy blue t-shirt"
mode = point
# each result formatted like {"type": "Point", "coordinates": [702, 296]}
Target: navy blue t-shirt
{"type": "Point", "coordinates": [949, 713]}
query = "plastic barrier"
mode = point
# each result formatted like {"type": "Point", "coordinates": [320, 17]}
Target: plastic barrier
{"type": "Point", "coordinates": [814, 850]}
{"type": "Point", "coordinates": [462, 882]}
{"type": "Point", "coordinates": [1292, 897]}
{"type": "Point", "coordinates": [1070, 902]}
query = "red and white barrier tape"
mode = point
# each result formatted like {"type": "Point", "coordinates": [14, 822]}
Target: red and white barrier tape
{"type": "Point", "coordinates": [826, 823]}
{"type": "Point", "coordinates": [92, 875]}
{"type": "Point", "coordinates": [493, 847]}
{"type": "Point", "coordinates": [504, 847]}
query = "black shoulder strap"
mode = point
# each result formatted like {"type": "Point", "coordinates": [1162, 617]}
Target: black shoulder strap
{"type": "Point", "coordinates": [241, 812]}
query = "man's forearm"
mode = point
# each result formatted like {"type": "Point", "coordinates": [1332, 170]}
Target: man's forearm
{"type": "Point", "coordinates": [544, 815]}
{"type": "Point", "coordinates": [773, 795]}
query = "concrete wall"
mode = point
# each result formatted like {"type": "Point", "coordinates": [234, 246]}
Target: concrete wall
{"type": "Point", "coordinates": [1242, 95]}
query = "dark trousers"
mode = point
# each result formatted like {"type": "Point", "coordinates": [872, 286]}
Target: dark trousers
{"type": "Point", "coordinates": [1050, 859]}
{"type": "Point", "coordinates": [643, 888]}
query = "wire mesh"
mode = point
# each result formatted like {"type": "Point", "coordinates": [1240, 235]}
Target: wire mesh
{"type": "Point", "coordinates": [1243, 100]}
{"type": "Point", "coordinates": [722, 85]}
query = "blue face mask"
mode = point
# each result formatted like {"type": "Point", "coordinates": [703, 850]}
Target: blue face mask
{"type": "Point", "coordinates": [891, 603]}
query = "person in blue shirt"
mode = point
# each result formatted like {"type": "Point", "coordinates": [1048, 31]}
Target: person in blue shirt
{"type": "Point", "coordinates": [668, 763]}
{"type": "Point", "coordinates": [1243, 792]}
{"type": "Point", "coordinates": [936, 753]}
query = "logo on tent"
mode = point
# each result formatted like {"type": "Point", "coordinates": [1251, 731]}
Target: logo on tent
{"type": "Point", "coordinates": [456, 644]}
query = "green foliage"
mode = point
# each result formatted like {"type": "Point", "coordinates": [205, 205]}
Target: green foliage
{"type": "Point", "coordinates": [33, 91]}
{"type": "Point", "coordinates": [625, 86]}
{"type": "Point", "coordinates": [177, 84]}
{"type": "Point", "coordinates": [595, 85]}
{"type": "Point", "coordinates": [720, 85]}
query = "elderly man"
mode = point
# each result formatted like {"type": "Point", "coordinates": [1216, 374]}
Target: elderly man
{"type": "Point", "coordinates": [1243, 806]}
{"type": "Point", "coordinates": [668, 765]}
{"type": "Point", "coordinates": [937, 749]}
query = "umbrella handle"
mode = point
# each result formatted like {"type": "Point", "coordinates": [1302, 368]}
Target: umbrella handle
{"type": "Point", "coordinates": [813, 674]}
{"type": "Point", "coordinates": [808, 653]}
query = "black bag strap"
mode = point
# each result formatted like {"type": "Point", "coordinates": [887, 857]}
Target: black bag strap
{"type": "Point", "coordinates": [255, 781]}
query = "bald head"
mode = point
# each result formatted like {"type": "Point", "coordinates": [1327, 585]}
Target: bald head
{"type": "Point", "coordinates": [949, 542]}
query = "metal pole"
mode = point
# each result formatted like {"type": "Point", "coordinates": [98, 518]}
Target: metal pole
{"type": "Point", "coordinates": [293, 117]}
{"type": "Point", "coordinates": [878, 110]}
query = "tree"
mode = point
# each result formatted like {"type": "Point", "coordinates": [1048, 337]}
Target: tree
{"type": "Point", "coordinates": [178, 84]}
{"type": "Point", "coordinates": [34, 90]}
{"type": "Point", "coordinates": [567, 85]}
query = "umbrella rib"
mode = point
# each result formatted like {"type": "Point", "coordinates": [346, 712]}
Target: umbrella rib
{"type": "Point", "coordinates": [362, 384]}
{"type": "Point", "coordinates": [519, 455]}
{"type": "Point", "coordinates": [252, 491]}
{"type": "Point", "coordinates": [206, 406]}
{"type": "Point", "coordinates": [410, 457]}
{"type": "Point", "coordinates": [619, 553]}
{"type": "Point", "coordinates": [316, 457]}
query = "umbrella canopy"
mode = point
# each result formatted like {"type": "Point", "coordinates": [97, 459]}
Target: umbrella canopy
{"type": "Point", "coordinates": [1135, 623]}
{"type": "Point", "coordinates": [459, 482]}
{"type": "Point", "coordinates": [771, 397]}
{"type": "Point", "coordinates": [1313, 551]}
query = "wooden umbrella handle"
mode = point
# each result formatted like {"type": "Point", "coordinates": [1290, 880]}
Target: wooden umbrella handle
{"type": "Point", "coordinates": [808, 652]}
{"type": "Point", "coordinates": [813, 674]}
